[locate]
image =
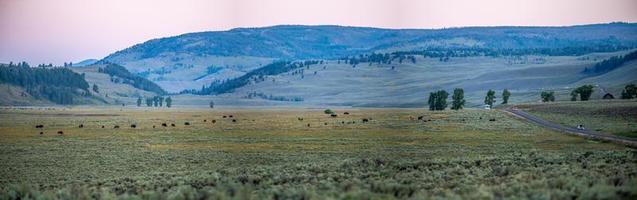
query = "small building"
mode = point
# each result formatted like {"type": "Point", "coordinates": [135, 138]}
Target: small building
{"type": "Point", "coordinates": [608, 96]}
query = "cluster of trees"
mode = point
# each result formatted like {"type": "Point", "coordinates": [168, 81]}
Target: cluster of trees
{"type": "Point", "coordinates": [56, 84]}
{"type": "Point", "coordinates": [379, 58]}
{"type": "Point", "coordinates": [438, 99]}
{"type": "Point", "coordinates": [270, 69]}
{"type": "Point", "coordinates": [547, 96]}
{"type": "Point", "coordinates": [629, 92]}
{"type": "Point", "coordinates": [252, 95]}
{"type": "Point", "coordinates": [156, 101]}
{"type": "Point", "coordinates": [115, 70]}
{"type": "Point", "coordinates": [610, 64]}
{"type": "Point", "coordinates": [584, 92]}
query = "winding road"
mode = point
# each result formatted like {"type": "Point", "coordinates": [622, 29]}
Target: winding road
{"type": "Point", "coordinates": [570, 130]}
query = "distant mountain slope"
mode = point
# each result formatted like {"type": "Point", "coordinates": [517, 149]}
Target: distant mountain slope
{"type": "Point", "coordinates": [184, 61]}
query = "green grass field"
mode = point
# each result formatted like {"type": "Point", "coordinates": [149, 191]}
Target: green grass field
{"type": "Point", "coordinates": [270, 154]}
{"type": "Point", "coordinates": [618, 117]}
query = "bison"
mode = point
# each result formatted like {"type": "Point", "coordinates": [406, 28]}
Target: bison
{"type": "Point", "coordinates": [214, 121]}
{"type": "Point", "coordinates": [61, 132]}
{"type": "Point", "coordinates": [308, 125]}
{"type": "Point", "coordinates": [234, 120]}
{"type": "Point", "coordinates": [102, 126]}
{"type": "Point", "coordinates": [225, 116]}
{"type": "Point", "coordinates": [39, 126]}
{"type": "Point", "coordinates": [81, 126]}
{"type": "Point", "coordinates": [41, 132]}
{"type": "Point", "coordinates": [133, 126]}
{"type": "Point", "coordinates": [346, 113]}
{"type": "Point", "coordinates": [164, 124]}
{"type": "Point", "coordinates": [229, 116]}
{"type": "Point", "coordinates": [299, 118]}
{"type": "Point", "coordinates": [421, 117]}
{"type": "Point", "coordinates": [205, 120]}
{"type": "Point", "coordinates": [365, 120]}
{"type": "Point", "coordinates": [187, 123]}
{"type": "Point", "coordinates": [173, 125]}
{"type": "Point", "coordinates": [492, 119]}
{"type": "Point", "coordinates": [116, 126]}
{"type": "Point", "coordinates": [333, 115]}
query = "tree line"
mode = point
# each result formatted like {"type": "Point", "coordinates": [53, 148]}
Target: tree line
{"type": "Point", "coordinates": [56, 84]}
{"type": "Point", "coordinates": [610, 64]}
{"type": "Point", "coordinates": [156, 101]}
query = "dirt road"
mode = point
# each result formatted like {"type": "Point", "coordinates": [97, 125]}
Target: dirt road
{"type": "Point", "coordinates": [571, 130]}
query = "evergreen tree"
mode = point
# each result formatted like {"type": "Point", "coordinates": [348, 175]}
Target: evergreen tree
{"type": "Point", "coordinates": [169, 102]}
{"type": "Point", "coordinates": [149, 102]}
{"type": "Point", "coordinates": [490, 98]}
{"type": "Point", "coordinates": [458, 99]}
{"type": "Point", "coordinates": [505, 96]}
{"type": "Point", "coordinates": [139, 101]}
{"type": "Point", "coordinates": [95, 88]}
{"type": "Point", "coordinates": [212, 104]}
{"type": "Point", "coordinates": [161, 101]}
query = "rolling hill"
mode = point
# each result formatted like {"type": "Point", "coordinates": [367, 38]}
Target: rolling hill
{"type": "Point", "coordinates": [192, 60]}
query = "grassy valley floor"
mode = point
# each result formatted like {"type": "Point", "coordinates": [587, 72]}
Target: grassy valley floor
{"type": "Point", "coordinates": [272, 154]}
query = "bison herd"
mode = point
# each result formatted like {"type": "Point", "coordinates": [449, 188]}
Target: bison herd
{"type": "Point", "coordinates": [41, 126]}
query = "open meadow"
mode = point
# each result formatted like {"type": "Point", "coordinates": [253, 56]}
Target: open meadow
{"type": "Point", "coordinates": [273, 154]}
{"type": "Point", "coordinates": [617, 117]}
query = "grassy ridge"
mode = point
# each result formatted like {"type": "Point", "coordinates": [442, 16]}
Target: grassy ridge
{"type": "Point", "coordinates": [271, 154]}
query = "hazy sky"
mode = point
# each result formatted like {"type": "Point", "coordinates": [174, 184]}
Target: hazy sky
{"type": "Point", "coordinates": [43, 31]}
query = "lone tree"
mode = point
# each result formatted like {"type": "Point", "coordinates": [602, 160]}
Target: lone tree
{"type": "Point", "coordinates": [212, 104]}
{"type": "Point", "coordinates": [547, 96]}
{"type": "Point", "coordinates": [438, 100]}
{"type": "Point", "coordinates": [169, 102]}
{"type": "Point", "coordinates": [149, 102]}
{"type": "Point", "coordinates": [629, 92]}
{"type": "Point", "coordinates": [139, 101]}
{"type": "Point", "coordinates": [161, 101]}
{"type": "Point", "coordinates": [505, 96]}
{"type": "Point", "coordinates": [584, 92]}
{"type": "Point", "coordinates": [458, 99]}
{"type": "Point", "coordinates": [95, 88]}
{"type": "Point", "coordinates": [490, 98]}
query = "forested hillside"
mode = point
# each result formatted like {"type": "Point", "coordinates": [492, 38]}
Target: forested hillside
{"type": "Point", "coordinates": [120, 74]}
{"type": "Point", "coordinates": [610, 64]}
{"type": "Point", "coordinates": [56, 84]}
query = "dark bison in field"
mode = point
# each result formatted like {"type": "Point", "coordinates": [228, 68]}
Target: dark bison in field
{"type": "Point", "coordinates": [39, 126]}
{"type": "Point", "coordinates": [133, 126]}
{"type": "Point", "coordinates": [116, 126]}
{"type": "Point", "coordinates": [187, 123]}
{"type": "Point", "coordinates": [333, 115]}
{"type": "Point", "coordinates": [61, 132]}
{"type": "Point", "coordinates": [365, 120]}
{"type": "Point", "coordinates": [81, 126]}
{"type": "Point", "coordinates": [164, 124]}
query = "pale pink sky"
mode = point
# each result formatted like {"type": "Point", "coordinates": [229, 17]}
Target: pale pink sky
{"type": "Point", "coordinates": [43, 31]}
